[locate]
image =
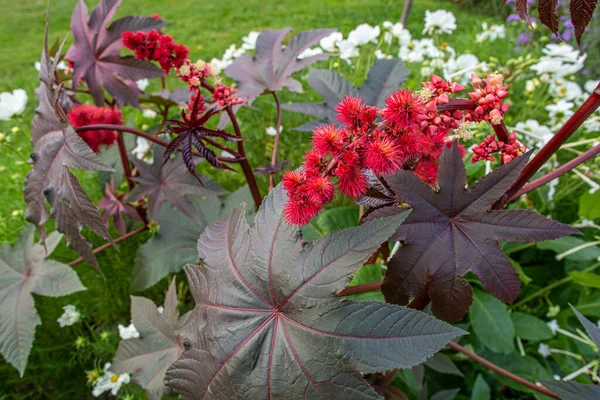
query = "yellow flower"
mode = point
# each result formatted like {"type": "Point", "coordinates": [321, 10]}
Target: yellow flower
{"type": "Point", "coordinates": [2, 137]}
{"type": "Point", "coordinates": [15, 129]}
{"type": "Point", "coordinates": [16, 213]}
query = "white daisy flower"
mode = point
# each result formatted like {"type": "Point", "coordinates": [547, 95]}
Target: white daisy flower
{"type": "Point", "coordinates": [250, 40]}
{"type": "Point", "coordinates": [110, 381]}
{"type": "Point", "coordinates": [142, 146]}
{"type": "Point", "coordinates": [128, 332]}
{"type": "Point", "coordinates": [439, 21]}
{"type": "Point", "coordinates": [310, 52]}
{"type": "Point", "coordinates": [328, 43]}
{"type": "Point", "coordinates": [69, 317]}
{"type": "Point", "coordinates": [12, 104]}
{"type": "Point", "coordinates": [142, 84]}
{"type": "Point", "coordinates": [363, 34]}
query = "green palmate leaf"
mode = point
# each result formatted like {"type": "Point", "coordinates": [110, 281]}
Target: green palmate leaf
{"type": "Point", "coordinates": [149, 356]}
{"type": "Point", "coordinates": [24, 270]}
{"type": "Point", "coordinates": [176, 242]}
{"type": "Point", "coordinates": [567, 243]}
{"type": "Point", "coordinates": [573, 390]}
{"type": "Point", "coordinates": [330, 221]}
{"type": "Point", "coordinates": [492, 323]}
{"type": "Point", "coordinates": [443, 364]}
{"type": "Point", "coordinates": [481, 390]}
{"type": "Point", "coordinates": [529, 327]}
{"type": "Point", "coordinates": [453, 231]}
{"type": "Point", "coordinates": [586, 279]}
{"type": "Point", "coordinates": [267, 310]}
{"type": "Point", "coordinates": [57, 147]}
{"type": "Point", "coordinates": [171, 184]}
{"type": "Point", "coordinates": [385, 76]}
{"type": "Point", "coordinates": [588, 205]}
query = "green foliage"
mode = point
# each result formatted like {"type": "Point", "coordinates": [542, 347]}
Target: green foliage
{"type": "Point", "coordinates": [492, 323]}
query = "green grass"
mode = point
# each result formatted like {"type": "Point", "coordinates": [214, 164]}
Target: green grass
{"type": "Point", "coordinates": [56, 369]}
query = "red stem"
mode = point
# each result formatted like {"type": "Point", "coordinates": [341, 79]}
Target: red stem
{"type": "Point", "coordinates": [276, 142]}
{"type": "Point", "coordinates": [246, 168]}
{"type": "Point", "coordinates": [362, 288]}
{"type": "Point", "coordinates": [502, 371]}
{"type": "Point", "coordinates": [586, 109]}
{"type": "Point", "coordinates": [501, 132]}
{"type": "Point", "coordinates": [124, 160]}
{"type": "Point", "coordinates": [458, 104]}
{"type": "Point", "coordinates": [563, 169]}
{"type": "Point", "coordinates": [107, 245]}
{"type": "Point", "coordinates": [250, 178]}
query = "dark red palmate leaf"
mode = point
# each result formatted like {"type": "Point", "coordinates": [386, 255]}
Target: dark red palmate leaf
{"type": "Point", "coordinates": [170, 183]}
{"type": "Point", "coordinates": [522, 7]}
{"type": "Point", "coordinates": [547, 13]}
{"type": "Point", "coordinates": [56, 149]}
{"type": "Point", "coordinates": [96, 52]}
{"type": "Point", "coordinates": [268, 312]}
{"type": "Point", "coordinates": [451, 232]}
{"type": "Point", "coordinates": [191, 133]}
{"type": "Point", "coordinates": [582, 12]}
{"type": "Point", "coordinates": [149, 356]}
{"type": "Point", "coordinates": [25, 270]}
{"type": "Point", "coordinates": [271, 69]}
{"type": "Point", "coordinates": [113, 205]}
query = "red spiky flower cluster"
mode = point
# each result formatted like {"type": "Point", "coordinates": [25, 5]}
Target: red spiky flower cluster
{"type": "Point", "coordinates": [411, 134]}
{"type": "Point", "coordinates": [190, 130]}
{"type": "Point", "coordinates": [87, 114]}
{"type": "Point", "coordinates": [156, 46]}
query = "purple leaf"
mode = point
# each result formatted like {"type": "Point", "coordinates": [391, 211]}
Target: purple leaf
{"type": "Point", "coordinates": [171, 184]}
{"type": "Point", "coordinates": [272, 67]}
{"type": "Point", "coordinates": [522, 7]}
{"type": "Point", "coordinates": [592, 329]}
{"type": "Point", "coordinates": [582, 12]}
{"type": "Point", "coordinates": [57, 147]}
{"type": "Point", "coordinates": [573, 390]}
{"type": "Point", "coordinates": [176, 242]}
{"type": "Point", "coordinates": [149, 356]}
{"type": "Point", "coordinates": [96, 52]}
{"type": "Point", "coordinates": [548, 16]}
{"type": "Point", "coordinates": [451, 232]}
{"type": "Point", "coordinates": [24, 270]}
{"type": "Point", "coordinates": [268, 312]}
{"type": "Point", "coordinates": [114, 206]}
